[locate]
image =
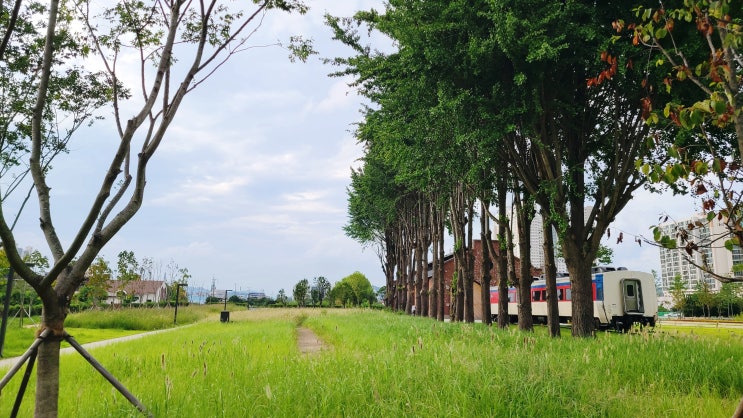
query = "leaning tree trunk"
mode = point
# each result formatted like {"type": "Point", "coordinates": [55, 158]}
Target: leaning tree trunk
{"type": "Point", "coordinates": [469, 271]}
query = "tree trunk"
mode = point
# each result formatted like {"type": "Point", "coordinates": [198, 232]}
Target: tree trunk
{"type": "Point", "coordinates": [469, 271]}
{"type": "Point", "coordinates": [434, 285]}
{"type": "Point", "coordinates": [525, 214]}
{"type": "Point", "coordinates": [550, 276]}
{"type": "Point", "coordinates": [460, 294]}
{"type": "Point", "coordinates": [582, 297]}
{"type": "Point", "coordinates": [487, 264]}
{"type": "Point", "coordinates": [503, 240]}
{"type": "Point", "coordinates": [417, 273]}
{"type": "Point", "coordinates": [47, 372]}
{"type": "Point", "coordinates": [389, 269]}
{"type": "Point", "coordinates": [441, 315]}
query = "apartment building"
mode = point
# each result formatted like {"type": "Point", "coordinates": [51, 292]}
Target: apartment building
{"type": "Point", "coordinates": [710, 237]}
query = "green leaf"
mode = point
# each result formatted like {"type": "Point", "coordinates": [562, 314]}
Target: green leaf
{"type": "Point", "coordinates": [731, 243]}
{"type": "Point", "coordinates": [656, 234]}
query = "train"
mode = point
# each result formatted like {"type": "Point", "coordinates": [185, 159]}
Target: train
{"type": "Point", "coordinates": [621, 298]}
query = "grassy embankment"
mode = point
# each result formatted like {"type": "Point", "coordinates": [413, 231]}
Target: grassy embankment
{"type": "Point", "coordinates": [382, 364]}
{"type": "Point", "coordinates": [97, 325]}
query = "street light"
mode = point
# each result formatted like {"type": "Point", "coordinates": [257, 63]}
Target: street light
{"type": "Point", "coordinates": [177, 294]}
{"type": "Point", "coordinates": [225, 315]}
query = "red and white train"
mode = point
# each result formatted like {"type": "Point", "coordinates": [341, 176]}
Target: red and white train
{"type": "Point", "coordinates": [620, 298]}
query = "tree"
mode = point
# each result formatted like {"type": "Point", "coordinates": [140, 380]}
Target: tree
{"type": "Point", "coordinates": [342, 293]}
{"type": "Point", "coordinates": [127, 267]}
{"type": "Point", "coordinates": [361, 288]}
{"type": "Point", "coordinates": [96, 285]}
{"type": "Point", "coordinates": [571, 141]}
{"type": "Point", "coordinates": [323, 288]}
{"type": "Point", "coordinates": [300, 292]}
{"type": "Point", "coordinates": [705, 296]}
{"type": "Point", "coordinates": [179, 45]}
{"type": "Point", "coordinates": [281, 297]}
{"type": "Point", "coordinates": [381, 292]}
{"type": "Point", "coordinates": [604, 255]}
{"type": "Point", "coordinates": [678, 292]}
{"type": "Point", "coordinates": [699, 46]}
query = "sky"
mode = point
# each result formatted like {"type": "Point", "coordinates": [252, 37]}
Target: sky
{"type": "Point", "coordinates": [249, 188]}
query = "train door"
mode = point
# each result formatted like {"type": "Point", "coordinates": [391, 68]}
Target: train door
{"type": "Point", "coordinates": [632, 292]}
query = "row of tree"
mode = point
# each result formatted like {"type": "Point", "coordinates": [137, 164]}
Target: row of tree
{"type": "Point", "coordinates": [352, 290]}
{"type": "Point", "coordinates": [480, 106]}
{"type": "Point", "coordinates": [702, 301]}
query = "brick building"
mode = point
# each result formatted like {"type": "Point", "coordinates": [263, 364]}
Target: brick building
{"type": "Point", "coordinates": [449, 267]}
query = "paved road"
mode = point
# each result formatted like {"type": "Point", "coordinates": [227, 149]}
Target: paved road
{"type": "Point", "coordinates": [7, 363]}
{"type": "Point", "coordinates": [702, 323]}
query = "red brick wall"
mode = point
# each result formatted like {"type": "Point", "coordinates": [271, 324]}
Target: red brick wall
{"type": "Point", "coordinates": [494, 278]}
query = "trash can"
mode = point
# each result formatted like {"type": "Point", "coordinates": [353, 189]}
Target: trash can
{"type": "Point", "coordinates": [224, 316]}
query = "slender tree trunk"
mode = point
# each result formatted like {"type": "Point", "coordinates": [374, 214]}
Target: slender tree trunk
{"type": "Point", "coordinates": [525, 214]}
{"type": "Point", "coordinates": [434, 285]}
{"type": "Point", "coordinates": [418, 272]}
{"type": "Point", "coordinates": [503, 240]}
{"type": "Point", "coordinates": [389, 269]}
{"type": "Point", "coordinates": [550, 276]}
{"type": "Point", "coordinates": [441, 315]}
{"type": "Point", "coordinates": [460, 294]}
{"type": "Point", "coordinates": [469, 270]}
{"type": "Point", "coordinates": [487, 263]}
{"type": "Point", "coordinates": [512, 276]}
{"type": "Point", "coordinates": [410, 274]}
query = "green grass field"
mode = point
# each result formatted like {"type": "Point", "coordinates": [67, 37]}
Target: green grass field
{"type": "Point", "coordinates": [381, 364]}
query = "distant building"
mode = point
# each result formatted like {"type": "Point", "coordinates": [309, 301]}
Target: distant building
{"type": "Point", "coordinates": [710, 238]}
{"type": "Point", "coordinates": [536, 240]}
{"type": "Point", "coordinates": [136, 291]}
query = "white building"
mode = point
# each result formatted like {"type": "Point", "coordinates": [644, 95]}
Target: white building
{"type": "Point", "coordinates": [710, 237]}
{"type": "Point", "coordinates": [537, 240]}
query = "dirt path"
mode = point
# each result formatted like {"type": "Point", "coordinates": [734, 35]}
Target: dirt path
{"type": "Point", "coordinates": [308, 342]}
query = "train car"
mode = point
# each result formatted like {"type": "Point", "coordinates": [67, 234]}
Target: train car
{"type": "Point", "coordinates": [620, 298]}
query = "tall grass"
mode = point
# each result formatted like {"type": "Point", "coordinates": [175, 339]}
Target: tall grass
{"type": "Point", "coordinates": [141, 319]}
{"type": "Point", "coordinates": [381, 364]}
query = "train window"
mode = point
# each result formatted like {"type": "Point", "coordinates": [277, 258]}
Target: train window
{"type": "Point", "coordinates": [544, 294]}
{"type": "Point", "coordinates": [561, 294]}
{"type": "Point", "coordinates": [568, 294]}
{"type": "Point", "coordinates": [535, 295]}
{"type": "Point", "coordinates": [630, 291]}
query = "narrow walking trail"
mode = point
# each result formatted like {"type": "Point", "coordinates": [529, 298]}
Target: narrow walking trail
{"type": "Point", "coordinates": [308, 342]}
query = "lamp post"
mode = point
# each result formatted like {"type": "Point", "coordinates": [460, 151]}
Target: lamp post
{"type": "Point", "coordinates": [225, 315]}
{"type": "Point", "coordinates": [177, 294]}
